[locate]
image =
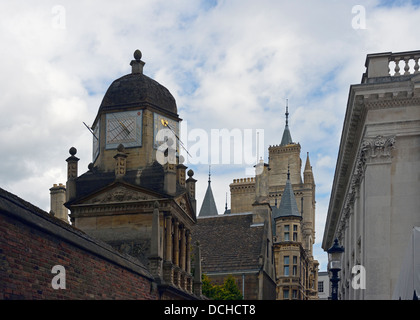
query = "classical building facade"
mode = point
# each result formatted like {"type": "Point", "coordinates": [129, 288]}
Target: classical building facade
{"type": "Point", "coordinates": [136, 196]}
{"type": "Point", "coordinates": [374, 202]}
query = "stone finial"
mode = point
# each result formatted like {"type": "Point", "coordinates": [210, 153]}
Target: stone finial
{"type": "Point", "coordinates": [71, 174]}
{"type": "Point", "coordinates": [72, 164]}
{"type": "Point", "coordinates": [137, 55]}
{"type": "Point", "coordinates": [190, 183]}
{"type": "Point", "coordinates": [137, 64]}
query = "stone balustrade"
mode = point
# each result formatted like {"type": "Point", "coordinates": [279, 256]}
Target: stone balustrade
{"type": "Point", "coordinates": [390, 64]}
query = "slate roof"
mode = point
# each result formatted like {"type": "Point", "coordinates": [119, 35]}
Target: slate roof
{"type": "Point", "coordinates": [136, 90]}
{"type": "Point", "coordinates": [287, 137]}
{"type": "Point", "coordinates": [288, 206]}
{"type": "Point", "coordinates": [229, 243]}
{"type": "Point", "coordinates": [208, 207]}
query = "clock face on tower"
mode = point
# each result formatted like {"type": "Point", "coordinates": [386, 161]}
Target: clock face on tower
{"type": "Point", "coordinates": [163, 123]}
{"type": "Point", "coordinates": [123, 128]}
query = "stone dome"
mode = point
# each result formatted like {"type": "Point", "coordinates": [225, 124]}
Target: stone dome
{"type": "Point", "coordinates": [136, 89]}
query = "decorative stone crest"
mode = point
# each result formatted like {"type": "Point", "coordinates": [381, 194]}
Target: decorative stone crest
{"type": "Point", "coordinates": [119, 194]}
{"type": "Point", "coordinates": [378, 147]}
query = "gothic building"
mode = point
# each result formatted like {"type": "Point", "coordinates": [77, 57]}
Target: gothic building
{"type": "Point", "coordinates": [283, 159]}
{"type": "Point", "coordinates": [281, 205]}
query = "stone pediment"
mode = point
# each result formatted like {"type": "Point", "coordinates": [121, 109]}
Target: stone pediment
{"type": "Point", "coordinates": [184, 204]}
{"type": "Point", "coordinates": [118, 193]}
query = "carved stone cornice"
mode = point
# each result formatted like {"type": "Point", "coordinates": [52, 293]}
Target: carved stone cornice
{"type": "Point", "coordinates": [392, 102]}
{"type": "Point", "coordinates": [104, 209]}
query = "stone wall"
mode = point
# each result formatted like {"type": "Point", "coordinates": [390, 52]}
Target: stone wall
{"type": "Point", "coordinates": [33, 242]}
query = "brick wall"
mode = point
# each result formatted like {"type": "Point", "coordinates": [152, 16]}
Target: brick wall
{"type": "Point", "coordinates": [32, 243]}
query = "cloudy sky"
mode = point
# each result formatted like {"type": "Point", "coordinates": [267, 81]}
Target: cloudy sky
{"type": "Point", "coordinates": [229, 64]}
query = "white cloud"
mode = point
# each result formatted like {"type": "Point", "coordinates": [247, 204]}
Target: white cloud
{"type": "Point", "coordinates": [229, 65]}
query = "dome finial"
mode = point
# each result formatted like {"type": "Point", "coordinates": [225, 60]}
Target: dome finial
{"type": "Point", "coordinates": [137, 64]}
{"type": "Point", "coordinates": [137, 55]}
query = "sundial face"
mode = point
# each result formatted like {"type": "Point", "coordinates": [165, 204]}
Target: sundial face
{"type": "Point", "coordinates": [123, 128]}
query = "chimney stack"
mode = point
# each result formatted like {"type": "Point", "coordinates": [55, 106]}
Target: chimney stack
{"type": "Point", "coordinates": [58, 198]}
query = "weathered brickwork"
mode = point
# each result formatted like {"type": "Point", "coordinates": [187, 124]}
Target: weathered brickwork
{"type": "Point", "coordinates": [93, 270]}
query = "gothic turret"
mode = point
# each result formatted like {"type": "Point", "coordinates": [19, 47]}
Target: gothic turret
{"type": "Point", "coordinates": [288, 206]}
{"type": "Point", "coordinates": [308, 176]}
{"type": "Point", "coordinates": [208, 208]}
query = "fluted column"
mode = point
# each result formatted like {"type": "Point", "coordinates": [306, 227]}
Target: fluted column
{"type": "Point", "coordinates": [176, 243]}
{"type": "Point", "coordinates": [168, 275]}
{"type": "Point", "coordinates": [168, 238]}
{"type": "Point", "coordinates": [182, 260]}
{"type": "Point", "coordinates": [188, 251]}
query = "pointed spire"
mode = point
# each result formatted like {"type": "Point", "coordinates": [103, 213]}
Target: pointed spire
{"type": "Point", "coordinates": [308, 166]}
{"type": "Point", "coordinates": [308, 176]}
{"type": "Point", "coordinates": [287, 138]}
{"type": "Point", "coordinates": [288, 205]}
{"type": "Point", "coordinates": [208, 207]}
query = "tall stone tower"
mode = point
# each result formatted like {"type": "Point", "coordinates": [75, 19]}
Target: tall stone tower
{"type": "Point", "coordinates": [296, 270]}
{"type": "Point", "coordinates": [135, 195]}
{"type": "Point", "coordinates": [283, 159]}
{"type": "Point", "coordinates": [283, 176]}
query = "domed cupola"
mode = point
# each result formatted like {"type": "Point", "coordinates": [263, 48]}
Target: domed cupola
{"type": "Point", "coordinates": [133, 112]}
{"type": "Point", "coordinates": [138, 90]}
